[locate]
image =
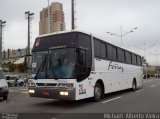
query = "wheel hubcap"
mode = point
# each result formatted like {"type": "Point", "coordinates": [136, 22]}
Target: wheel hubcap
{"type": "Point", "coordinates": [97, 92]}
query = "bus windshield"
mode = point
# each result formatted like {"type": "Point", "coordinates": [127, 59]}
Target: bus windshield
{"type": "Point", "coordinates": [54, 64]}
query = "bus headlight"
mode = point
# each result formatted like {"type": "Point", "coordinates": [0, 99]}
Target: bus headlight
{"type": "Point", "coordinates": [67, 85]}
{"type": "Point", "coordinates": [31, 91]}
{"type": "Point", "coordinates": [64, 93]}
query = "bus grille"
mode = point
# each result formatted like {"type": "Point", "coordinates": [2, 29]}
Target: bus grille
{"type": "Point", "coordinates": [46, 84]}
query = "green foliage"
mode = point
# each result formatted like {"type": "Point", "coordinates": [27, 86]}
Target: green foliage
{"type": "Point", "coordinates": [22, 67]}
{"type": "Point", "coordinates": [12, 67]}
{"type": "Point", "coordinates": [144, 61]}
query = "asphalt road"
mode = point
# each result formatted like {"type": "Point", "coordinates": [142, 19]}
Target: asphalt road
{"type": "Point", "coordinates": [144, 100]}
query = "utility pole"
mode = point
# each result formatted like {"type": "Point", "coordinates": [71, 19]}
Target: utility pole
{"type": "Point", "coordinates": [145, 57]}
{"type": "Point", "coordinates": [29, 17]}
{"type": "Point", "coordinates": [2, 24]}
{"type": "Point", "coordinates": [72, 16]}
{"type": "Point", "coordinates": [121, 34]}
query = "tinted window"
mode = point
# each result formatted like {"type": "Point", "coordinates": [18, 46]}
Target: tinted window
{"type": "Point", "coordinates": [82, 57]}
{"type": "Point", "coordinates": [121, 56]}
{"type": "Point", "coordinates": [54, 41]}
{"type": "Point", "coordinates": [139, 60]}
{"type": "Point", "coordinates": [88, 60]}
{"type": "Point", "coordinates": [84, 41]}
{"type": "Point", "coordinates": [103, 50]}
{"type": "Point", "coordinates": [109, 51]}
{"type": "Point", "coordinates": [128, 57]}
{"type": "Point", "coordinates": [114, 51]}
{"type": "Point", "coordinates": [134, 59]}
{"type": "Point", "coordinates": [97, 48]}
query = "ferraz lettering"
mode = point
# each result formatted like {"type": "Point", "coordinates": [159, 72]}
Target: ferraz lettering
{"type": "Point", "coordinates": [115, 66]}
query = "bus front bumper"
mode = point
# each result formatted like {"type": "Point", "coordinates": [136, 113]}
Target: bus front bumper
{"type": "Point", "coordinates": [53, 92]}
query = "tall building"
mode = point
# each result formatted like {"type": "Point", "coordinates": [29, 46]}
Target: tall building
{"type": "Point", "coordinates": [56, 19]}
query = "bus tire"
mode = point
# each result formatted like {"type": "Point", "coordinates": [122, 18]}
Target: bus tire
{"type": "Point", "coordinates": [5, 97]}
{"type": "Point", "coordinates": [98, 92]}
{"type": "Point", "coordinates": [134, 85]}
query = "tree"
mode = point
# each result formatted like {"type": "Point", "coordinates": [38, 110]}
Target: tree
{"type": "Point", "coordinates": [10, 65]}
{"type": "Point", "coordinates": [144, 61]}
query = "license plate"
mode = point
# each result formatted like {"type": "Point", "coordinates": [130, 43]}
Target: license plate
{"type": "Point", "coordinates": [45, 93]}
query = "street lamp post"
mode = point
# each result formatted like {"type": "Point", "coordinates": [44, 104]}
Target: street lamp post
{"type": "Point", "coordinates": [121, 35]}
{"type": "Point", "coordinates": [29, 16]}
{"type": "Point", "coordinates": [2, 24]}
{"type": "Point", "coordinates": [73, 15]}
{"type": "Point", "coordinates": [156, 67]}
{"type": "Point", "coordinates": [145, 54]}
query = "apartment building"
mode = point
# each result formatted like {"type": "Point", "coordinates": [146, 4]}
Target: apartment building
{"type": "Point", "coordinates": [53, 22]}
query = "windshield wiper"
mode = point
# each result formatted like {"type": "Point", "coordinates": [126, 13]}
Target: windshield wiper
{"type": "Point", "coordinates": [42, 64]}
{"type": "Point", "coordinates": [52, 69]}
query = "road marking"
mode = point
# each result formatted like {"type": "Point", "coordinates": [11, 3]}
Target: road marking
{"type": "Point", "coordinates": [139, 91]}
{"type": "Point", "coordinates": [24, 92]}
{"type": "Point", "coordinates": [24, 89]}
{"type": "Point", "coordinates": [111, 99]}
{"type": "Point", "coordinates": [12, 91]}
{"type": "Point", "coordinates": [152, 86]}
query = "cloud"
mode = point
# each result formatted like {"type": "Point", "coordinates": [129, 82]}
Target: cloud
{"type": "Point", "coordinates": [94, 16]}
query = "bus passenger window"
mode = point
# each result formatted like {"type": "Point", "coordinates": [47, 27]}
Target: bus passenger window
{"type": "Point", "coordinates": [121, 55]}
{"type": "Point", "coordinates": [128, 57]}
{"type": "Point", "coordinates": [97, 48]}
{"type": "Point", "coordinates": [103, 50]}
{"type": "Point", "coordinates": [134, 59]}
{"type": "Point", "coordinates": [114, 53]}
{"type": "Point", "coordinates": [109, 51]}
{"type": "Point", "coordinates": [139, 60]}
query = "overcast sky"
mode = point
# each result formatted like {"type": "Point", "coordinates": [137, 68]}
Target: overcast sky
{"type": "Point", "coordinates": [93, 16]}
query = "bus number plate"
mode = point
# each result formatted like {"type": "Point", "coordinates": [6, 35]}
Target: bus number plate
{"type": "Point", "coordinates": [45, 93]}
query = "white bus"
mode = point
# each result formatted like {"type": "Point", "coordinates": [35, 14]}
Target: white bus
{"type": "Point", "coordinates": [75, 65]}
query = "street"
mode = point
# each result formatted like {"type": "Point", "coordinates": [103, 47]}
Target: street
{"type": "Point", "coordinates": [144, 100]}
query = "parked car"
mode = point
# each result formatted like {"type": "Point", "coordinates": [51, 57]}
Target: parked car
{"type": "Point", "coordinates": [3, 86]}
{"type": "Point", "coordinates": [14, 80]}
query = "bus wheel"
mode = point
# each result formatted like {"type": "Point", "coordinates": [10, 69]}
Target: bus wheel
{"type": "Point", "coordinates": [134, 85]}
{"type": "Point", "coordinates": [98, 92]}
{"type": "Point", "coordinates": [5, 97]}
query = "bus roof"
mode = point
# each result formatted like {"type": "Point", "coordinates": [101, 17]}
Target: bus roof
{"type": "Point", "coordinates": [95, 36]}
